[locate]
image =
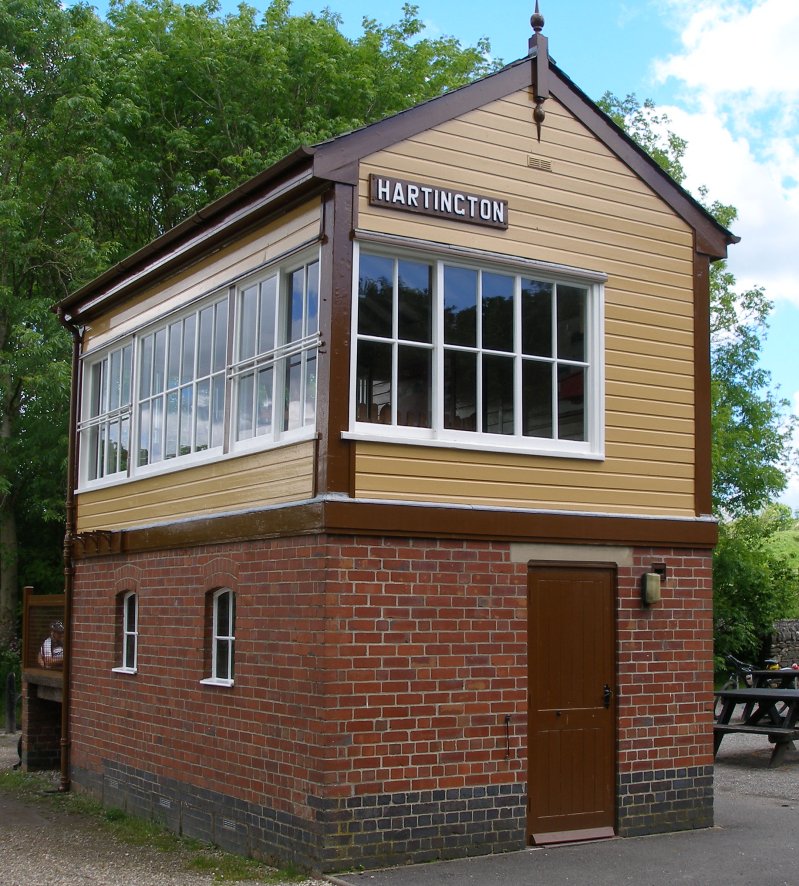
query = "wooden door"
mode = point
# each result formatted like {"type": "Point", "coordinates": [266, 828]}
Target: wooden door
{"type": "Point", "coordinates": [572, 703]}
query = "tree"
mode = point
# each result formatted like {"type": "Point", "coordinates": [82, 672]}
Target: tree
{"type": "Point", "coordinates": [113, 131]}
{"type": "Point", "coordinates": [751, 427]}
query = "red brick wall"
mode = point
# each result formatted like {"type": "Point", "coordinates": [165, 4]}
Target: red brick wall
{"type": "Point", "coordinates": [370, 667]}
{"type": "Point", "coordinates": [665, 664]}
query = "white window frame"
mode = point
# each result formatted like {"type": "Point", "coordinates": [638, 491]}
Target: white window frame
{"type": "Point", "coordinates": [592, 448]}
{"type": "Point", "coordinates": [226, 640]}
{"type": "Point", "coordinates": [302, 350]}
{"type": "Point", "coordinates": [130, 634]}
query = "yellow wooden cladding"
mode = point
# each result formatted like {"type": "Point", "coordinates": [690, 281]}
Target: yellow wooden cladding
{"type": "Point", "coordinates": [589, 211]}
{"type": "Point", "coordinates": [239, 258]}
{"type": "Point", "coordinates": [234, 484]}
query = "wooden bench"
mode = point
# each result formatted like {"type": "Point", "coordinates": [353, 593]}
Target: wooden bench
{"type": "Point", "coordinates": [762, 717]}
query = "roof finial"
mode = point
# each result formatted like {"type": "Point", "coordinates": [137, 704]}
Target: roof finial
{"type": "Point", "coordinates": [537, 20]}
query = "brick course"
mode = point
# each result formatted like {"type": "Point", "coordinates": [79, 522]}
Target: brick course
{"type": "Point", "coordinates": [374, 676]}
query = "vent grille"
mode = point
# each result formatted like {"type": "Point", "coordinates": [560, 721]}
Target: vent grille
{"type": "Point", "coordinates": [538, 163]}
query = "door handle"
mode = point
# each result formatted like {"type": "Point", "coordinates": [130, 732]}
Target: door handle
{"type": "Point", "coordinates": [607, 695]}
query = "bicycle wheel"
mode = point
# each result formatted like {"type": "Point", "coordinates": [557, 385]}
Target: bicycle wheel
{"type": "Point", "coordinates": [718, 703]}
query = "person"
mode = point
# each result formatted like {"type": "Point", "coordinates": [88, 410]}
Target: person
{"type": "Point", "coordinates": [51, 652]}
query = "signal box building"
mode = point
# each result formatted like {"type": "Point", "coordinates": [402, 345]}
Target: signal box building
{"type": "Point", "coordinates": [372, 459]}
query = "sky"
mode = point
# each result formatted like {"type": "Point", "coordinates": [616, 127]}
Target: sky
{"type": "Point", "coordinates": [727, 74]}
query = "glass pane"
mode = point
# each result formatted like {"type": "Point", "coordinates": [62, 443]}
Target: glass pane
{"type": "Point", "coordinates": [157, 439]}
{"type": "Point", "coordinates": [536, 318]}
{"type": "Point", "coordinates": [101, 452]}
{"type": "Point", "coordinates": [96, 397]}
{"type": "Point", "coordinates": [127, 374]}
{"type": "Point", "coordinates": [375, 295]}
{"type": "Point", "coordinates": [244, 407]}
{"type": "Point", "coordinates": [571, 403]}
{"type": "Point", "coordinates": [92, 443]}
{"type": "Point", "coordinates": [186, 419]}
{"type": "Point", "coordinates": [497, 311]}
{"type": "Point", "coordinates": [312, 324]}
{"type": "Point", "coordinates": [310, 388]}
{"type": "Point", "coordinates": [145, 366]}
{"type": "Point", "coordinates": [130, 651]}
{"type": "Point", "coordinates": [460, 390]}
{"type": "Point", "coordinates": [115, 379]}
{"type": "Point", "coordinates": [414, 374]}
{"type": "Point", "coordinates": [571, 323]}
{"type": "Point", "coordinates": [498, 395]}
{"type": "Point", "coordinates": [415, 302]}
{"type": "Point", "coordinates": [296, 305]}
{"type": "Point", "coordinates": [205, 343]}
{"type": "Point", "coordinates": [218, 411]}
{"type": "Point", "coordinates": [247, 327]}
{"type": "Point", "coordinates": [189, 336]}
{"type": "Point", "coordinates": [293, 402]}
{"type": "Point", "coordinates": [124, 444]}
{"type": "Point", "coordinates": [202, 434]}
{"type": "Point", "coordinates": [537, 399]}
{"type": "Point", "coordinates": [266, 316]}
{"type": "Point", "coordinates": [220, 336]}
{"type": "Point", "coordinates": [112, 449]}
{"type": "Point", "coordinates": [173, 361]}
{"type": "Point", "coordinates": [264, 398]}
{"type": "Point", "coordinates": [130, 613]}
{"type": "Point", "coordinates": [223, 614]}
{"type": "Point", "coordinates": [374, 382]}
{"type": "Point", "coordinates": [144, 434]}
{"type": "Point", "coordinates": [460, 306]}
{"type": "Point", "coordinates": [171, 448]}
{"type": "Point", "coordinates": [222, 661]}
{"type": "Point", "coordinates": [159, 357]}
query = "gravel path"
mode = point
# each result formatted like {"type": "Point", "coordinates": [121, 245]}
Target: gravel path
{"type": "Point", "coordinates": [44, 846]}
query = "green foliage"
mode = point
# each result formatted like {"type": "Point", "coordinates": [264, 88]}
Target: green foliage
{"type": "Point", "coordinates": [114, 130]}
{"type": "Point", "coordinates": [754, 581]}
{"type": "Point", "coordinates": [754, 585]}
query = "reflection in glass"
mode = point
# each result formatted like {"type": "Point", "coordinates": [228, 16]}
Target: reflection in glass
{"type": "Point", "coordinates": [571, 323]}
{"type": "Point", "coordinates": [460, 306]}
{"type": "Point", "coordinates": [460, 390]}
{"type": "Point", "coordinates": [414, 301]}
{"type": "Point", "coordinates": [375, 295]}
{"type": "Point", "coordinates": [497, 296]}
{"type": "Point", "coordinates": [374, 382]}
{"type": "Point", "coordinates": [414, 374]}
{"type": "Point", "coordinates": [571, 403]}
{"type": "Point", "coordinates": [537, 399]}
{"type": "Point", "coordinates": [536, 318]}
{"type": "Point", "coordinates": [498, 395]}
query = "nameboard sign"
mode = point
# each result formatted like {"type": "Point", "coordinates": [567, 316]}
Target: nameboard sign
{"type": "Point", "coordinates": [460, 206]}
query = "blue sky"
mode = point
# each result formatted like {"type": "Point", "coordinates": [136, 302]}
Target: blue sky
{"type": "Point", "coordinates": [727, 74]}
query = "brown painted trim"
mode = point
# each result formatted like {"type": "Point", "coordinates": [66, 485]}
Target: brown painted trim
{"type": "Point", "coordinates": [358, 517]}
{"type": "Point", "coordinates": [408, 521]}
{"type": "Point", "coordinates": [183, 246]}
{"type": "Point", "coordinates": [711, 238]}
{"type": "Point", "coordinates": [336, 155]}
{"type": "Point", "coordinates": [334, 469]}
{"type": "Point", "coordinates": [703, 465]}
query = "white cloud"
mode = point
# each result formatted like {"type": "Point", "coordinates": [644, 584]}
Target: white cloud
{"type": "Point", "coordinates": [735, 88]}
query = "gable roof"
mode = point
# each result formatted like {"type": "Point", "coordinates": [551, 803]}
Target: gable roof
{"type": "Point", "coordinates": [311, 170]}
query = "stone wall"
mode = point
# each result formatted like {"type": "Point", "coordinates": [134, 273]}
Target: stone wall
{"type": "Point", "coordinates": [785, 641]}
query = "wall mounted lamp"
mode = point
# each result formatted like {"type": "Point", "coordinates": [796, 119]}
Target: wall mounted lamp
{"type": "Point", "coordinates": [650, 584]}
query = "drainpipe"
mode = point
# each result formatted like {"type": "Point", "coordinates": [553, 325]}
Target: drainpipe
{"type": "Point", "coordinates": [69, 542]}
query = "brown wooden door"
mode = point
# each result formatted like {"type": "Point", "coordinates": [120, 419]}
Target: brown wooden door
{"type": "Point", "coordinates": [571, 715]}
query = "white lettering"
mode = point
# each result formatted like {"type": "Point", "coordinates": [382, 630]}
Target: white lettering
{"type": "Point", "coordinates": [446, 201]}
{"type": "Point", "coordinates": [472, 204]}
{"type": "Point", "coordinates": [499, 212]}
{"type": "Point", "coordinates": [383, 189]}
{"type": "Point", "coordinates": [413, 195]}
{"type": "Point", "coordinates": [459, 201]}
{"type": "Point", "coordinates": [399, 196]}
{"type": "Point", "coordinates": [485, 210]}
{"type": "Point", "coordinates": [427, 192]}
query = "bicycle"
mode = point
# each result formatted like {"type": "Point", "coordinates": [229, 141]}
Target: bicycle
{"type": "Point", "coordinates": [740, 676]}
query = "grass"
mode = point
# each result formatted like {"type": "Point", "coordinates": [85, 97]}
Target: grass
{"type": "Point", "coordinates": [40, 788]}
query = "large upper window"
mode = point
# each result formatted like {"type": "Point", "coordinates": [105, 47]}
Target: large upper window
{"type": "Point", "coordinates": [476, 355]}
{"type": "Point", "coordinates": [185, 389]}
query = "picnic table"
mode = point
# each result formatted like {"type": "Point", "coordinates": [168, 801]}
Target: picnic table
{"type": "Point", "coordinates": [767, 677]}
{"type": "Point", "coordinates": [767, 711]}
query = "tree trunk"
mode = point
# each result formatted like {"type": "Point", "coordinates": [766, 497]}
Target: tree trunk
{"type": "Point", "coordinates": [9, 584]}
